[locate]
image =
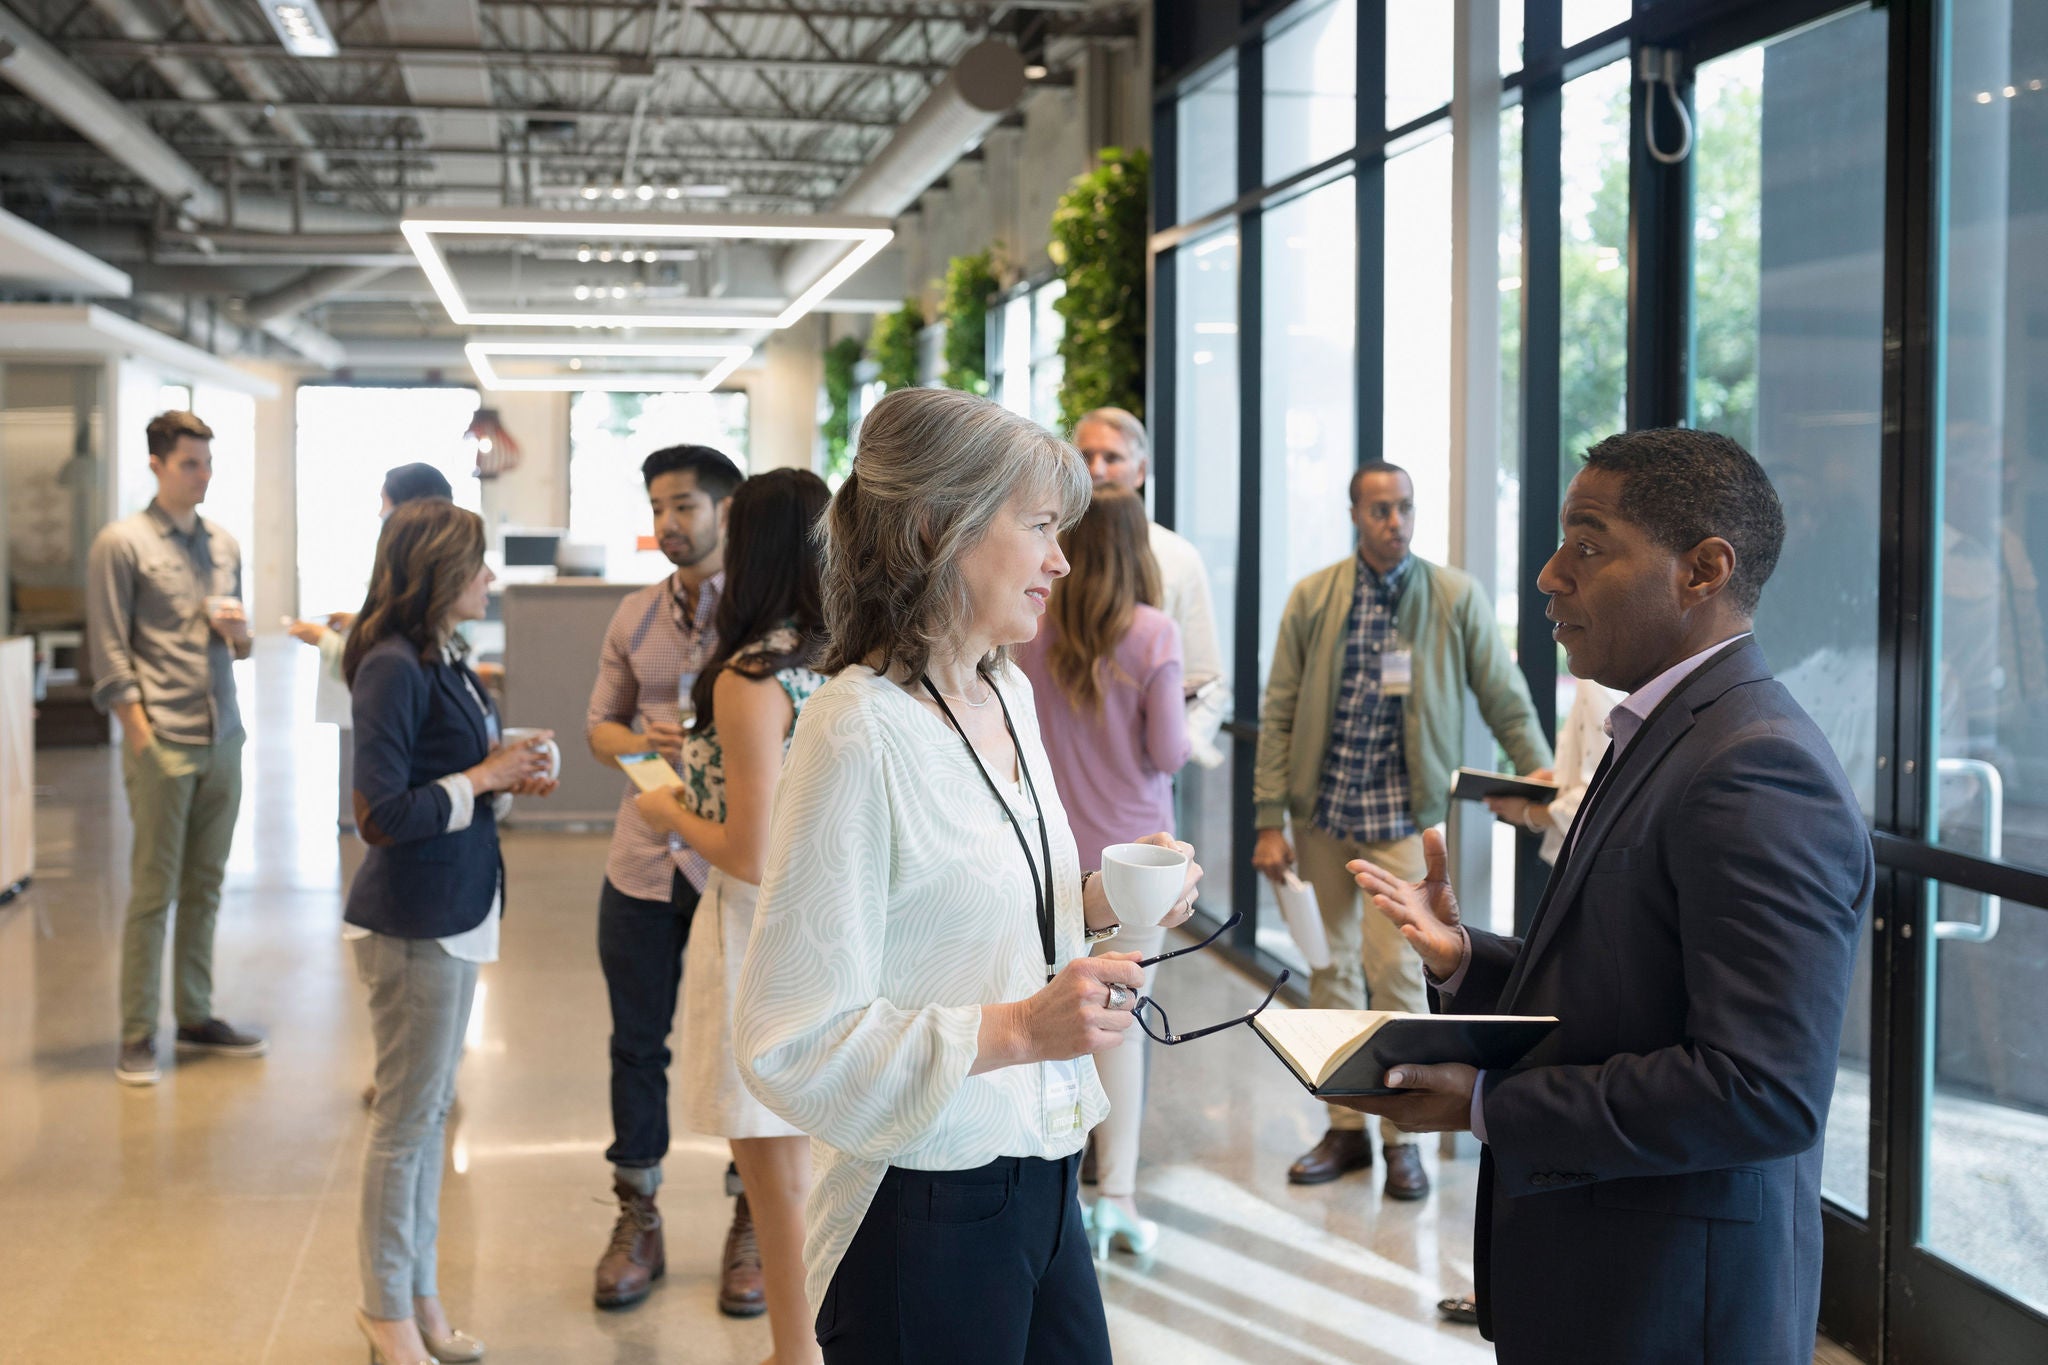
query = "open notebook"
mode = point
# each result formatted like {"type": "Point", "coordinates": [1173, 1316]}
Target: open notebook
{"type": "Point", "coordinates": [1348, 1052]}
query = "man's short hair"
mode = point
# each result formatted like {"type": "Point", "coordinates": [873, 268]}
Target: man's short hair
{"type": "Point", "coordinates": [1683, 486]}
{"type": "Point", "coordinates": [1125, 423]}
{"type": "Point", "coordinates": [1376, 467]}
{"type": "Point", "coordinates": [410, 482]}
{"type": "Point", "coordinates": [716, 474]}
{"type": "Point", "coordinates": [166, 427]}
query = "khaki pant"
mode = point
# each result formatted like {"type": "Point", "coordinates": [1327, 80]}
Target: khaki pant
{"type": "Point", "coordinates": [1371, 965]}
{"type": "Point", "coordinates": [183, 799]}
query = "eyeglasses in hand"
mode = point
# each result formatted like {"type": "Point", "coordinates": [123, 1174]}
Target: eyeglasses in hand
{"type": "Point", "coordinates": [1145, 1006]}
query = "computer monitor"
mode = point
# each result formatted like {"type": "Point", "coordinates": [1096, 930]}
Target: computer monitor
{"type": "Point", "coordinates": [531, 549]}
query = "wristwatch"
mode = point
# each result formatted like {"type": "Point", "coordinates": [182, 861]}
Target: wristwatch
{"type": "Point", "coordinates": [1093, 936]}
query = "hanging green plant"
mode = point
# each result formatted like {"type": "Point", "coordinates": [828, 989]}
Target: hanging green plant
{"type": "Point", "coordinates": [1098, 246]}
{"type": "Point", "coordinates": [969, 282]}
{"type": "Point", "coordinates": [840, 358]}
{"type": "Point", "coordinates": [893, 346]}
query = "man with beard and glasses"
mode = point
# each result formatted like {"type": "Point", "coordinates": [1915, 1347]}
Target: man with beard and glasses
{"type": "Point", "coordinates": [659, 639]}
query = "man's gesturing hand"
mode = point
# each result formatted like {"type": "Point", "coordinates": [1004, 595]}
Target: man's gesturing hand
{"type": "Point", "coordinates": [1426, 912]}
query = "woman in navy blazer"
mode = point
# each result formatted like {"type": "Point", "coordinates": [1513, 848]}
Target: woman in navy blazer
{"type": "Point", "coordinates": [431, 780]}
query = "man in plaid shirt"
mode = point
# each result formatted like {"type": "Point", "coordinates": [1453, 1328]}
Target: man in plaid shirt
{"type": "Point", "coordinates": [1359, 742]}
{"type": "Point", "coordinates": [658, 637]}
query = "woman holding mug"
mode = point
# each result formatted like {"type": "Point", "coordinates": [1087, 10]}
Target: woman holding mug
{"type": "Point", "coordinates": [917, 995]}
{"type": "Point", "coordinates": [431, 781]}
{"type": "Point", "coordinates": [771, 630]}
{"type": "Point", "coordinates": [1106, 672]}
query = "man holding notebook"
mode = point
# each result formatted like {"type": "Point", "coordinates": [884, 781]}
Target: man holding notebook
{"type": "Point", "coordinates": [1649, 1189]}
{"type": "Point", "coordinates": [1362, 729]}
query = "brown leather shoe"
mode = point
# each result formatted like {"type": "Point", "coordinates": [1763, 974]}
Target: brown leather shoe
{"type": "Point", "coordinates": [742, 1290]}
{"type": "Point", "coordinates": [1405, 1177]}
{"type": "Point", "coordinates": [1342, 1150]}
{"type": "Point", "coordinates": [634, 1260]}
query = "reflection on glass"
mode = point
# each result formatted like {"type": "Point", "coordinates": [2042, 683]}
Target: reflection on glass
{"type": "Point", "coordinates": [1584, 18]}
{"type": "Point", "coordinates": [609, 435]}
{"type": "Point", "coordinates": [1418, 59]}
{"type": "Point", "coordinates": [1206, 131]}
{"type": "Point", "coordinates": [1988, 1124]}
{"type": "Point", "coordinates": [1307, 355]}
{"type": "Point", "coordinates": [1845, 1152]}
{"type": "Point", "coordinates": [1987, 1106]}
{"type": "Point", "coordinates": [1205, 418]}
{"type": "Point", "coordinates": [1593, 340]}
{"type": "Point", "coordinates": [52, 490]}
{"type": "Point", "coordinates": [1511, 20]}
{"type": "Point", "coordinates": [1206, 468]}
{"type": "Point", "coordinates": [338, 488]}
{"type": "Point", "coordinates": [1417, 336]}
{"type": "Point", "coordinates": [1991, 789]}
{"type": "Point", "coordinates": [1311, 89]}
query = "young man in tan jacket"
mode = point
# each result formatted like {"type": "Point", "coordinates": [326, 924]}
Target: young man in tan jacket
{"type": "Point", "coordinates": [1359, 742]}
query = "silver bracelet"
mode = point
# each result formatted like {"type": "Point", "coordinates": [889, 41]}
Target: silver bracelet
{"type": "Point", "coordinates": [1094, 935]}
{"type": "Point", "coordinates": [1536, 828]}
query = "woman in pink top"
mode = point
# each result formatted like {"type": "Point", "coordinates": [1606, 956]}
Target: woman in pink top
{"type": "Point", "coordinates": [1105, 670]}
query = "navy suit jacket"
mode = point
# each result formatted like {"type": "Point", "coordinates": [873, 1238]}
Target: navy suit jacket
{"type": "Point", "coordinates": [415, 723]}
{"type": "Point", "coordinates": [1650, 1188]}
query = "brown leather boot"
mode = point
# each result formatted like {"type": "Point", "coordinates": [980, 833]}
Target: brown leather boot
{"type": "Point", "coordinates": [742, 1289]}
{"type": "Point", "coordinates": [634, 1260]}
{"type": "Point", "coordinates": [1342, 1150]}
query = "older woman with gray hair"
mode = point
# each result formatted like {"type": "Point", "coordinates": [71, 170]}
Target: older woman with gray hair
{"type": "Point", "coordinates": [917, 994]}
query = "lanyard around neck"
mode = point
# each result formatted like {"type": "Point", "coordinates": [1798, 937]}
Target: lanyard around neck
{"type": "Point", "coordinates": [1041, 891]}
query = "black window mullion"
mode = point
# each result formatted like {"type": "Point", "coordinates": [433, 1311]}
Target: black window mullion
{"type": "Point", "coordinates": [1251, 136]}
{"type": "Point", "coordinates": [1369, 382]}
{"type": "Point", "coordinates": [1659, 259]}
{"type": "Point", "coordinates": [1541, 378]}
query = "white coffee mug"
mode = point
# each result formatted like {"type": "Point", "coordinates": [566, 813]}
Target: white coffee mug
{"type": "Point", "coordinates": [520, 734]}
{"type": "Point", "coordinates": [1144, 881]}
{"type": "Point", "coordinates": [238, 620]}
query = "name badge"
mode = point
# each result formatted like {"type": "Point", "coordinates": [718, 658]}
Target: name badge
{"type": "Point", "coordinates": [1397, 672]}
{"type": "Point", "coordinates": [1062, 1099]}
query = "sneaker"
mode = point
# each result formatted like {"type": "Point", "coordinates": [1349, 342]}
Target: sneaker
{"type": "Point", "coordinates": [220, 1037]}
{"type": "Point", "coordinates": [137, 1065]}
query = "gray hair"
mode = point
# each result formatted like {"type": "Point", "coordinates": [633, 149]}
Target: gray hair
{"type": "Point", "coordinates": [1124, 423]}
{"type": "Point", "coordinates": [934, 469]}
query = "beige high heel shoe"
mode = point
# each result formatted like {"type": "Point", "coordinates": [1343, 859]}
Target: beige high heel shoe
{"type": "Point", "coordinates": [377, 1357]}
{"type": "Point", "coordinates": [457, 1348]}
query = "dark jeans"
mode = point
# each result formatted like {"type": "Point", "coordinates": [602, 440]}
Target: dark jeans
{"type": "Point", "coordinates": [640, 943]}
{"type": "Point", "coordinates": [989, 1265]}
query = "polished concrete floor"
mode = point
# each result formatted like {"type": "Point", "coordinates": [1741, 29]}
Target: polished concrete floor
{"type": "Point", "coordinates": [211, 1219]}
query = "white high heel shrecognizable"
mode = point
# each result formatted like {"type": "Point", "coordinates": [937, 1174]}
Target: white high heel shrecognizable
{"type": "Point", "coordinates": [457, 1348]}
{"type": "Point", "coordinates": [377, 1357]}
{"type": "Point", "coordinates": [1109, 1225]}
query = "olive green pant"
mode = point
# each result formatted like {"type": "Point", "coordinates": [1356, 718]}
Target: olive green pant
{"type": "Point", "coordinates": [1369, 960]}
{"type": "Point", "coordinates": [183, 799]}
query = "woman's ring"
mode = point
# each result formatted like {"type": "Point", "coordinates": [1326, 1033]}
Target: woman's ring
{"type": "Point", "coordinates": [1119, 995]}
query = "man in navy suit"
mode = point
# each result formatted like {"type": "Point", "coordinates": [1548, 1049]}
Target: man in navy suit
{"type": "Point", "coordinates": [1649, 1188]}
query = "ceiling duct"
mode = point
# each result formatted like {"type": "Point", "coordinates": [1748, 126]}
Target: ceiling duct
{"type": "Point", "coordinates": [307, 290]}
{"type": "Point", "coordinates": [45, 75]}
{"type": "Point", "coordinates": [983, 86]}
{"type": "Point", "coordinates": [180, 74]}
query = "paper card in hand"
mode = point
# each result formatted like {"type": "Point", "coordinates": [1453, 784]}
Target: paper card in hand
{"type": "Point", "coordinates": [650, 771]}
{"type": "Point", "coordinates": [1476, 784]}
{"type": "Point", "coordinates": [1349, 1052]}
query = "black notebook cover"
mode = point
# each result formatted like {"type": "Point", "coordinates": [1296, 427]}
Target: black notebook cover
{"type": "Point", "coordinates": [1490, 1044]}
{"type": "Point", "coordinates": [1474, 785]}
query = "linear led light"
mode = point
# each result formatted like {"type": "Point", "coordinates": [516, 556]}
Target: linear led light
{"type": "Point", "coordinates": [301, 27]}
{"type": "Point", "coordinates": [728, 358]}
{"type": "Point", "coordinates": [864, 237]}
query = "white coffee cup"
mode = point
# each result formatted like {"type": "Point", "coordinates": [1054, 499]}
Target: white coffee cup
{"type": "Point", "coordinates": [223, 611]}
{"type": "Point", "coordinates": [1144, 881]}
{"type": "Point", "coordinates": [520, 734]}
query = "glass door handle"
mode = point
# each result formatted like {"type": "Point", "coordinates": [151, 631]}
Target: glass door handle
{"type": "Point", "coordinates": [1991, 792]}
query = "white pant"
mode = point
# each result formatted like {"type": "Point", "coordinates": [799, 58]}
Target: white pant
{"type": "Point", "coordinates": [1122, 1070]}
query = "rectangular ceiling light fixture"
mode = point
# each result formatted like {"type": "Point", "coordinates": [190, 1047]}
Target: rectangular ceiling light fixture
{"type": "Point", "coordinates": [301, 27]}
{"type": "Point", "coordinates": [863, 238]}
{"type": "Point", "coordinates": [574, 352]}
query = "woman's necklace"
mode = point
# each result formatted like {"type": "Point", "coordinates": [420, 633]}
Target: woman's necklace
{"type": "Point", "coordinates": [974, 705]}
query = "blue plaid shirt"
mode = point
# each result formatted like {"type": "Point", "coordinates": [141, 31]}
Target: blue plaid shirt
{"type": "Point", "coordinates": [1364, 792]}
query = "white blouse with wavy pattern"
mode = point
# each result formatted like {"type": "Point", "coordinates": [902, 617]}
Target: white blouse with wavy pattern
{"type": "Point", "coordinates": [895, 905]}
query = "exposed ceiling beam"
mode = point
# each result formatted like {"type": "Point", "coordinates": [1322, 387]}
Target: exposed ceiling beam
{"type": "Point", "coordinates": [779, 9]}
{"type": "Point", "coordinates": [622, 63]}
{"type": "Point", "coordinates": [699, 158]}
{"type": "Point", "coordinates": [666, 118]}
